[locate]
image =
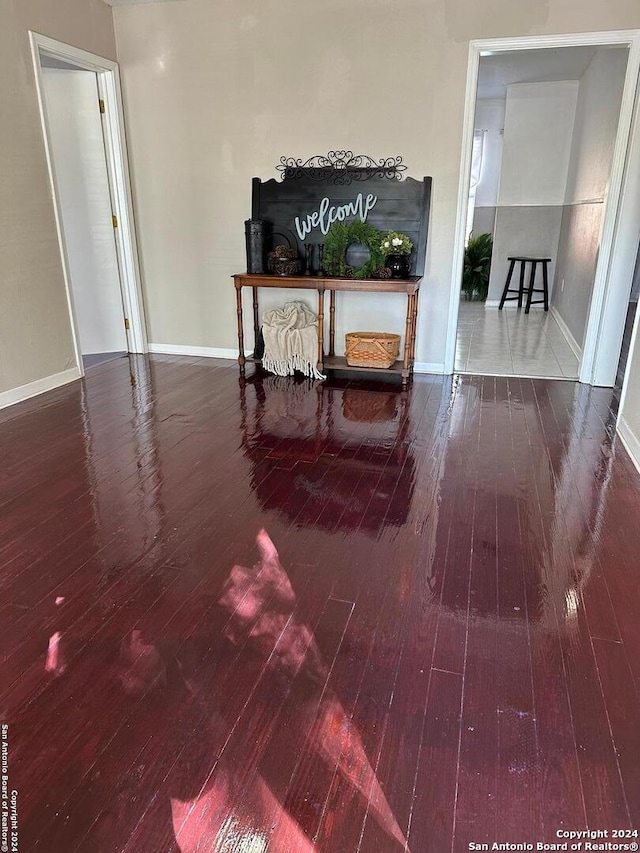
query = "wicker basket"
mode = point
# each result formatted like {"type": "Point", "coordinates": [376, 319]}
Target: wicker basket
{"type": "Point", "coordinates": [371, 349]}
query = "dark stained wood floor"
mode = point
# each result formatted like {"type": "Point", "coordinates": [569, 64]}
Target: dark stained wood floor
{"type": "Point", "coordinates": [284, 617]}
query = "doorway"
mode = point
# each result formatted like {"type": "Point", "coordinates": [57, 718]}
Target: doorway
{"type": "Point", "coordinates": [77, 150]}
{"type": "Point", "coordinates": [564, 87]}
{"type": "Point", "coordinates": [82, 123]}
{"type": "Point", "coordinates": [547, 121]}
{"type": "Point", "coordinates": [632, 310]}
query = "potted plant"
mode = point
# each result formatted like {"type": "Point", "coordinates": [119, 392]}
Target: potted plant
{"type": "Point", "coordinates": [477, 264]}
{"type": "Point", "coordinates": [397, 248]}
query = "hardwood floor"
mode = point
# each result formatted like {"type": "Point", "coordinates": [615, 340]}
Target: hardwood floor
{"type": "Point", "coordinates": [279, 616]}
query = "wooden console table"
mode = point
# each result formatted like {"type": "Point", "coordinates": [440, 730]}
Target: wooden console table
{"type": "Point", "coordinates": [410, 286]}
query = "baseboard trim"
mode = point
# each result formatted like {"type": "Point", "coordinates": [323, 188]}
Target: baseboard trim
{"type": "Point", "coordinates": [201, 352]}
{"type": "Point", "coordinates": [630, 441]}
{"type": "Point", "coordinates": [428, 367]}
{"type": "Point", "coordinates": [573, 344]}
{"type": "Point", "coordinates": [218, 352]}
{"type": "Point", "coordinates": [40, 386]}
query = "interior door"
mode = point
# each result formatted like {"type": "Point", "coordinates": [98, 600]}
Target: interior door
{"type": "Point", "coordinates": [77, 147]}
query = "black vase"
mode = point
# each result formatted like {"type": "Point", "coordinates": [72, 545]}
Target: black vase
{"type": "Point", "coordinates": [308, 255]}
{"type": "Point", "coordinates": [399, 264]}
{"type": "Point", "coordinates": [254, 232]}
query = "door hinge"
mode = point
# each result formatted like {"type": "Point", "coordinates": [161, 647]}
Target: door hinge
{"type": "Point", "coordinates": [127, 324]}
{"type": "Point", "coordinates": [114, 220]}
{"type": "Point", "coordinates": [101, 105]}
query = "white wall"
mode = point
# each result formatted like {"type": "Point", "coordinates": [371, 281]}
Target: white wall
{"type": "Point", "coordinates": [35, 330]}
{"type": "Point", "coordinates": [538, 129]}
{"type": "Point", "coordinates": [213, 99]}
{"type": "Point", "coordinates": [217, 92]}
{"type": "Point", "coordinates": [537, 143]}
{"type": "Point", "coordinates": [77, 145]}
{"type": "Point", "coordinates": [524, 231]}
{"type": "Point", "coordinates": [596, 123]}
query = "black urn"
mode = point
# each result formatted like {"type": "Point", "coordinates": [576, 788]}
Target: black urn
{"type": "Point", "coordinates": [399, 264]}
{"type": "Point", "coordinates": [255, 235]}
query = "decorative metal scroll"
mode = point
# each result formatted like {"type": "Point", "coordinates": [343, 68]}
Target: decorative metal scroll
{"type": "Point", "coordinates": [341, 168]}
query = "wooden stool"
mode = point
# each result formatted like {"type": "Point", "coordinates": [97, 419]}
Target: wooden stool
{"type": "Point", "coordinates": [544, 262]}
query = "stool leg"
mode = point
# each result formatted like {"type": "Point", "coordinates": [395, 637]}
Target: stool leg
{"type": "Point", "coordinates": [521, 288]}
{"type": "Point", "coordinates": [532, 279]}
{"type": "Point", "coordinates": [506, 287]}
{"type": "Point", "coordinates": [545, 285]}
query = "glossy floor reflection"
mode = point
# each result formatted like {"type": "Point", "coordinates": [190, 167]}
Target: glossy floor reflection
{"type": "Point", "coordinates": [286, 616]}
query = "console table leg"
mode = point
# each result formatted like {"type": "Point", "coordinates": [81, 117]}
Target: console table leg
{"type": "Point", "coordinates": [241, 358]}
{"type": "Point", "coordinates": [332, 322]}
{"type": "Point", "coordinates": [320, 328]}
{"type": "Point", "coordinates": [407, 341]}
{"type": "Point", "coordinates": [256, 318]}
{"type": "Point", "coordinates": [414, 323]}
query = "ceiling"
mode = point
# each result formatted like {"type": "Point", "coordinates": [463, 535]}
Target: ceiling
{"type": "Point", "coordinates": [134, 2]}
{"type": "Point", "coordinates": [499, 70]}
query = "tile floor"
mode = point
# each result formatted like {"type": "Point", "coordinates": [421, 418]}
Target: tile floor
{"type": "Point", "coordinates": [510, 342]}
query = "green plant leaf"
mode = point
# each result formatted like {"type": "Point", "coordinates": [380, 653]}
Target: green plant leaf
{"type": "Point", "coordinates": [340, 236]}
{"type": "Point", "coordinates": [477, 265]}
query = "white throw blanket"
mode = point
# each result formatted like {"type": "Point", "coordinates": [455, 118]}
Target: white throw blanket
{"type": "Point", "coordinates": [291, 340]}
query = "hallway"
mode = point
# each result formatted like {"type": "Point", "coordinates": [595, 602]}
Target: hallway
{"type": "Point", "coordinates": [512, 343]}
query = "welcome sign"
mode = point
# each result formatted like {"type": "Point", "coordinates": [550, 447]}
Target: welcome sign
{"type": "Point", "coordinates": [301, 209]}
{"type": "Point", "coordinates": [327, 213]}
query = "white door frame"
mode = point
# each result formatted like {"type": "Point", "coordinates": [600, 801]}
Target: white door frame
{"type": "Point", "coordinates": [622, 210]}
{"type": "Point", "coordinates": [110, 93]}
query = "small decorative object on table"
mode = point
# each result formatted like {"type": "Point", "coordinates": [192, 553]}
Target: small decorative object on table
{"type": "Point", "coordinates": [340, 236]}
{"type": "Point", "coordinates": [371, 349]}
{"type": "Point", "coordinates": [321, 269]}
{"type": "Point", "coordinates": [308, 258]}
{"type": "Point", "coordinates": [284, 261]}
{"type": "Point", "coordinates": [254, 232]}
{"type": "Point", "coordinates": [397, 248]}
{"type": "Point", "coordinates": [382, 273]}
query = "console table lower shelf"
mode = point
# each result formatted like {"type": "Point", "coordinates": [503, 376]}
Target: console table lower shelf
{"type": "Point", "coordinates": [338, 362]}
{"type": "Point", "coordinates": [402, 368]}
